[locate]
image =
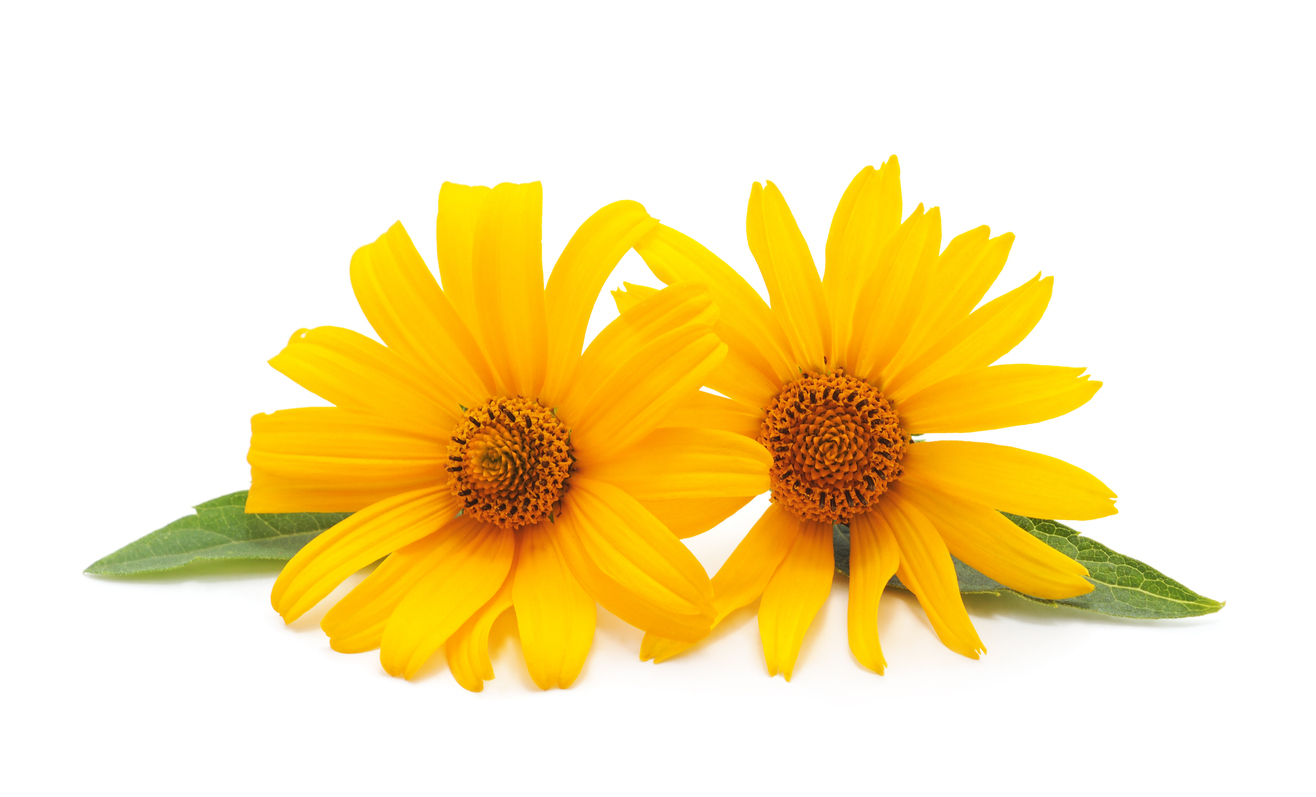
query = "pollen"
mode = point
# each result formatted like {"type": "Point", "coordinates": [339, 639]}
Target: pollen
{"type": "Point", "coordinates": [836, 445]}
{"type": "Point", "coordinates": [509, 460]}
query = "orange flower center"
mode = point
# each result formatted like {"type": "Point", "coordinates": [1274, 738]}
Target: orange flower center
{"type": "Point", "coordinates": [511, 458]}
{"type": "Point", "coordinates": [836, 444]}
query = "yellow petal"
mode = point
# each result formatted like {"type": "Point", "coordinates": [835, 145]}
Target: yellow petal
{"type": "Point", "coordinates": [509, 285]}
{"type": "Point", "coordinates": [554, 614]}
{"type": "Point", "coordinates": [688, 517]}
{"type": "Point", "coordinates": [459, 209]}
{"type": "Point", "coordinates": [794, 595]}
{"type": "Point", "coordinates": [747, 325]}
{"type": "Point", "coordinates": [964, 273]}
{"type": "Point", "coordinates": [988, 334]}
{"type": "Point", "coordinates": [354, 372]}
{"type": "Point", "coordinates": [375, 531]}
{"type": "Point", "coordinates": [630, 295]}
{"type": "Point", "coordinates": [708, 411]}
{"type": "Point", "coordinates": [468, 648]}
{"type": "Point", "coordinates": [836, 270]}
{"type": "Point", "coordinates": [868, 215]}
{"type": "Point", "coordinates": [1009, 479]}
{"type": "Point", "coordinates": [574, 285]}
{"type": "Point", "coordinates": [926, 568]}
{"type": "Point", "coordinates": [644, 390]}
{"type": "Point", "coordinates": [996, 397]}
{"type": "Point", "coordinates": [791, 276]}
{"type": "Point", "coordinates": [685, 462]}
{"type": "Point", "coordinates": [326, 459]}
{"type": "Point", "coordinates": [444, 599]}
{"type": "Point", "coordinates": [742, 578]}
{"type": "Point", "coordinates": [631, 563]}
{"type": "Point", "coordinates": [746, 573]}
{"type": "Point", "coordinates": [985, 540]}
{"type": "Point", "coordinates": [874, 557]}
{"type": "Point", "coordinates": [403, 302]}
{"type": "Point", "coordinates": [738, 379]}
{"type": "Point", "coordinates": [892, 298]}
{"type": "Point", "coordinates": [660, 648]}
{"type": "Point", "coordinates": [356, 623]}
{"type": "Point", "coordinates": [903, 247]}
{"type": "Point", "coordinates": [690, 478]}
{"type": "Point", "coordinates": [657, 314]}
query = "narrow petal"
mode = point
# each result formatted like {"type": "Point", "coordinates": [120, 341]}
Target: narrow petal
{"type": "Point", "coordinates": [657, 314]}
{"type": "Point", "coordinates": [468, 648]}
{"type": "Point", "coordinates": [631, 563]}
{"type": "Point", "coordinates": [554, 614]}
{"type": "Point", "coordinates": [792, 278]}
{"type": "Point", "coordinates": [630, 295]}
{"type": "Point", "coordinates": [356, 373]}
{"type": "Point", "coordinates": [893, 297]}
{"type": "Point", "coordinates": [737, 377]}
{"type": "Point", "coordinates": [926, 568]}
{"type": "Point", "coordinates": [444, 599]}
{"type": "Point", "coordinates": [326, 459]}
{"type": "Point", "coordinates": [900, 251]}
{"type": "Point", "coordinates": [874, 557]}
{"type": "Point", "coordinates": [459, 209]}
{"type": "Point", "coordinates": [644, 390]}
{"type": "Point", "coordinates": [708, 411]}
{"type": "Point", "coordinates": [578, 277]}
{"type": "Point", "coordinates": [687, 517]}
{"type": "Point", "coordinates": [835, 270]}
{"type": "Point", "coordinates": [685, 462]}
{"type": "Point", "coordinates": [996, 397]}
{"type": "Point", "coordinates": [794, 595]}
{"type": "Point", "coordinates": [987, 335]}
{"type": "Point", "coordinates": [867, 217]}
{"type": "Point", "coordinates": [356, 623]}
{"type": "Point", "coordinates": [739, 380]}
{"type": "Point", "coordinates": [963, 274]}
{"type": "Point", "coordinates": [509, 285]}
{"type": "Point", "coordinates": [985, 540]}
{"type": "Point", "coordinates": [746, 573]}
{"type": "Point", "coordinates": [375, 531]}
{"type": "Point", "coordinates": [743, 577]}
{"type": "Point", "coordinates": [747, 324]}
{"type": "Point", "coordinates": [658, 649]}
{"type": "Point", "coordinates": [405, 306]}
{"type": "Point", "coordinates": [1009, 479]}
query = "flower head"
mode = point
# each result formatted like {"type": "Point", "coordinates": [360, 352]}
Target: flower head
{"type": "Point", "coordinates": [836, 378]}
{"type": "Point", "coordinates": [487, 461]}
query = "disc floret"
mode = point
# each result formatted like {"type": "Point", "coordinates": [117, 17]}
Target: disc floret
{"type": "Point", "coordinates": [836, 445]}
{"type": "Point", "coordinates": [509, 461]}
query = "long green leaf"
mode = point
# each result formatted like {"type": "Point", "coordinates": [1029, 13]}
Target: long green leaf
{"type": "Point", "coordinates": [1125, 587]}
{"type": "Point", "coordinates": [220, 529]}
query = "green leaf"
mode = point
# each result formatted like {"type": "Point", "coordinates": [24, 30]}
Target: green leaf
{"type": "Point", "coordinates": [1125, 587]}
{"type": "Point", "coordinates": [220, 529]}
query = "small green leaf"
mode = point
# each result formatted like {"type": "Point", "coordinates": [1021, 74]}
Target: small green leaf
{"type": "Point", "coordinates": [1125, 587]}
{"type": "Point", "coordinates": [220, 529]}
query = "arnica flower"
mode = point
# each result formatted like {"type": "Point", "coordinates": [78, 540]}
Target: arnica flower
{"type": "Point", "coordinates": [492, 464]}
{"type": "Point", "coordinates": [835, 379]}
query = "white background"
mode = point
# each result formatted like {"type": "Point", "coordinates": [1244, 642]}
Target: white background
{"type": "Point", "coordinates": [181, 189]}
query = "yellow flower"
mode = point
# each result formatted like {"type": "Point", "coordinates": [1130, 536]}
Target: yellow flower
{"type": "Point", "coordinates": [490, 462]}
{"type": "Point", "coordinates": [838, 374]}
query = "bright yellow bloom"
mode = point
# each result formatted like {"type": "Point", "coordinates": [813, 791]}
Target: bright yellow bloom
{"type": "Point", "coordinates": [838, 374]}
{"type": "Point", "coordinates": [490, 462]}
